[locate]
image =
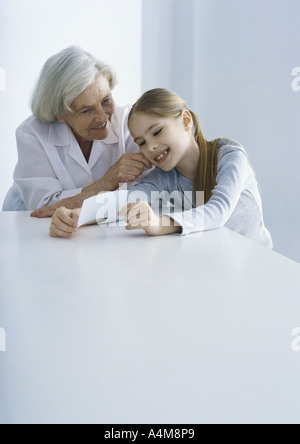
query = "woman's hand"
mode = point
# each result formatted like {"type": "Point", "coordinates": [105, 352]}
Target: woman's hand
{"type": "Point", "coordinates": [71, 203]}
{"type": "Point", "coordinates": [127, 169]}
{"type": "Point", "coordinates": [64, 222]}
{"type": "Point", "coordinates": [141, 216]}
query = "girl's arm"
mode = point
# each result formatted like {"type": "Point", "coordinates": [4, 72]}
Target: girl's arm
{"type": "Point", "coordinates": [233, 174]}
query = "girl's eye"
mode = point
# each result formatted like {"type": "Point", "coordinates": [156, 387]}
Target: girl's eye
{"type": "Point", "coordinates": [142, 144]}
{"type": "Point", "coordinates": [157, 133]}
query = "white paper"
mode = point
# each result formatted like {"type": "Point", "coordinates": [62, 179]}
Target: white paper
{"type": "Point", "coordinates": [103, 208]}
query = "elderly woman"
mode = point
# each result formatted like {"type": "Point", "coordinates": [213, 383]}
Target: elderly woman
{"type": "Point", "coordinates": [77, 143]}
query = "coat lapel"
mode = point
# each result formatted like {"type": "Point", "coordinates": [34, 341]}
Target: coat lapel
{"type": "Point", "coordinates": [61, 135]}
{"type": "Point", "coordinates": [76, 154]}
{"type": "Point", "coordinates": [99, 147]}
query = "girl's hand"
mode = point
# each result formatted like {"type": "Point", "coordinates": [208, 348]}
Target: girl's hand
{"type": "Point", "coordinates": [141, 216]}
{"type": "Point", "coordinates": [64, 222]}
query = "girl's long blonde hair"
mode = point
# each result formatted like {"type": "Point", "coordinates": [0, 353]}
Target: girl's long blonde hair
{"type": "Point", "coordinates": [166, 103]}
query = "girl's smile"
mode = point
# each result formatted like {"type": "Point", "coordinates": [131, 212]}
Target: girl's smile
{"type": "Point", "coordinates": [162, 157]}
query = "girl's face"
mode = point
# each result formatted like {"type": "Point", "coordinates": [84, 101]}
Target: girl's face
{"type": "Point", "coordinates": [163, 140]}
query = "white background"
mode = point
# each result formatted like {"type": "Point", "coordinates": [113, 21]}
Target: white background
{"type": "Point", "coordinates": [232, 60]}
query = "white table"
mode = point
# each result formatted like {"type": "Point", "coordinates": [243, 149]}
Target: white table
{"type": "Point", "coordinates": [114, 327]}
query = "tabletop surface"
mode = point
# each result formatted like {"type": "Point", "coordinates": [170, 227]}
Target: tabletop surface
{"type": "Point", "coordinates": [114, 327]}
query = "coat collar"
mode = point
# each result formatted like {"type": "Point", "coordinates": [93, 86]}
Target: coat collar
{"type": "Point", "coordinates": [61, 135]}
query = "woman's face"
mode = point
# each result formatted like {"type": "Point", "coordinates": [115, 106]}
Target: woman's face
{"type": "Point", "coordinates": [92, 112]}
{"type": "Point", "coordinates": [164, 141]}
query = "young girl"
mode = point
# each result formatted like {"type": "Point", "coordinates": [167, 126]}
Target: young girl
{"type": "Point", "coordinates": [170, 137]}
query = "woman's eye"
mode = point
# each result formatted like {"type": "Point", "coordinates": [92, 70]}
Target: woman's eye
{"type": "Point", "coordinates": [86, 111]}
{"type": "Point", "coordinates": [106, 102]}
{"type": "Point", "coordinates": [157, 133]}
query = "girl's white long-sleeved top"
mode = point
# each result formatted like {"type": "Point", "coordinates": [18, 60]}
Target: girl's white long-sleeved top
{"type": "Point", "coordinates": [51, 165]}
{"type": "Point", "coordinates": [235, 204]}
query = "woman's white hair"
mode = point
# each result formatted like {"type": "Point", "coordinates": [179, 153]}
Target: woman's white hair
{"type": "Point", "coordinates": [63, 78]}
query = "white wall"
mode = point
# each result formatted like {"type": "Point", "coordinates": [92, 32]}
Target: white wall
{"type": "Point", "coordinates": [33, 30]}
{"type": "Point", "coordinates": [232, 60]}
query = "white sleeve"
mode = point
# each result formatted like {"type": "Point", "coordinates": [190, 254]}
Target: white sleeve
{"type": "Point", "coordinates": [34, 175]}
{"type": "Point", "coordinates": [130, 146]}
{"type": "Point", "coordinates": [231, 178]}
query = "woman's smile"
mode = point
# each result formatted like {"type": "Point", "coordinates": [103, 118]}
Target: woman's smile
{"type": "Point", "coordinates": [101, 127]}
